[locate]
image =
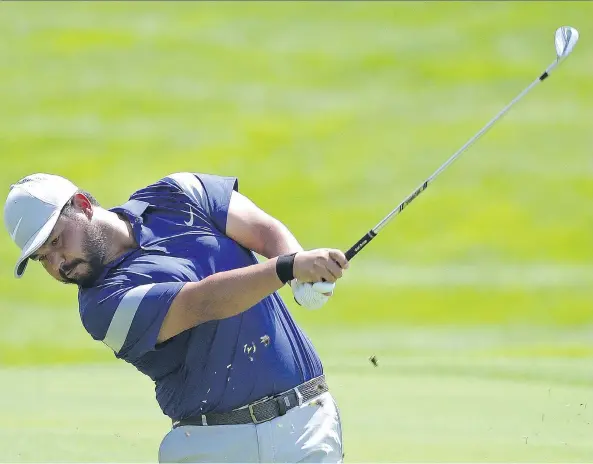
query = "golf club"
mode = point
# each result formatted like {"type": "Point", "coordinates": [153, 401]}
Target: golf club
{"type": "Point", "coordinates": [565, 39]}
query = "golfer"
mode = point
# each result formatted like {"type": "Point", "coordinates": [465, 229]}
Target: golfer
{"type": "Point", "coordinates": [170, 282]}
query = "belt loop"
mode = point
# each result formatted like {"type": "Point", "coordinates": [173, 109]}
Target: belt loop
{"type": "Point", "coordinates": [298, 395]}
{"type": "Point", "coordinates": [283, 404]}
{"type": "Point", "coordinates": [204, 421]}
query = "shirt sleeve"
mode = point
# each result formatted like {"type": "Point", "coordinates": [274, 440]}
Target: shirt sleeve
{"type": "Point", "coordinates": [209, 192]}
{"type": "Point", "coordinates": [127, 318]}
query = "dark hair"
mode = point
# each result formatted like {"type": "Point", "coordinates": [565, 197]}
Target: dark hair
{"type": "Point", "coordinates": [68, 207]}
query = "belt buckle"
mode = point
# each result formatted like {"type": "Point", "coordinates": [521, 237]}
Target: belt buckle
{"type": "Point", "coordinates": [253, 418]}
{"type": "Point", "coordinates": [252, 413]}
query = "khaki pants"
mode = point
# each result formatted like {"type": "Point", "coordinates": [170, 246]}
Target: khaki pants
{"type": "Point", "coordinates": [308, 433]}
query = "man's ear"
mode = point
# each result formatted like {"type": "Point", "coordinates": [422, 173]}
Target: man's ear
{"type": "Point", "coordinates": [82, 203]}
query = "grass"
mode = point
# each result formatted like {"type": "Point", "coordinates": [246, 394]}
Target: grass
{"type": "Point", "coordinates": [328, 114]}
{"type": "Point", "coordinates": [477, 300]}
{"type": "Point", "coordinates": [436, 396]}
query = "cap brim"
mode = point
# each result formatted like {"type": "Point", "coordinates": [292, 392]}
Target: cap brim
{"type": "Point", "coordinates": [35, 243]}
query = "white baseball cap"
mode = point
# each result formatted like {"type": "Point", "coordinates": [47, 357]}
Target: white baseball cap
{"type": "Point", "coordinates": [31, 211]}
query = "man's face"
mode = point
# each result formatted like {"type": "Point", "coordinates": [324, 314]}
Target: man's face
{"type": "Point", "coordinates": [75, 251]}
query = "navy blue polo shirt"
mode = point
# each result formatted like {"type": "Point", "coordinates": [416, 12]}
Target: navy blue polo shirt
{"type": "Point", "coordinates": [179, 223]}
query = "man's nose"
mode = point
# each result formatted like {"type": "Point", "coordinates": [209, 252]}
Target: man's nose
{"type": "Point", "coordinates": [56, 261]}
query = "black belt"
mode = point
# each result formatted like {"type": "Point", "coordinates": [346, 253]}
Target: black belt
{"type": "Point", "coordinates": [263, 410]}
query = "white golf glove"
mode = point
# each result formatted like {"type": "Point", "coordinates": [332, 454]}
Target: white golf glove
{"type": "Point", "coordinates": [311, 296]}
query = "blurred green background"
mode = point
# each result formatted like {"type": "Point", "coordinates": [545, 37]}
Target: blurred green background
{"type": "Point", "coordinates": [477, 300]}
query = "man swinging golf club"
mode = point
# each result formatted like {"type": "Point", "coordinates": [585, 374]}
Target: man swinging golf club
{"type": "Point", "coordinates": [170, 282]}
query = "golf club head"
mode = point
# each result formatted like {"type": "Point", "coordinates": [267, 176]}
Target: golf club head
{"type": "Point", "coordinates": [565, 39]}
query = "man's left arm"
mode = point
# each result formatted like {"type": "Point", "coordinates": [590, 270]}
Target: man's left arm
{"type": "Point", "coordinates": [256, 230]}
{"type": "Point", "coordinates": [253, 228]}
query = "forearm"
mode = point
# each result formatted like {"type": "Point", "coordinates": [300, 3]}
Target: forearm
{"type": "Point", "coordinates": [229, 293]}
{"type": "Point", "coordinates": [220, 296]}
{"type": "Point", "coordinates": [256, 230]}
{"type": "Point", "coordinates": [277, 240]}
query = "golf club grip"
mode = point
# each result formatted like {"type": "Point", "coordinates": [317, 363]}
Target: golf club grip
{"type": "Point", "coordinates": [371, 234]}
{"type": "Point", "coordinates": [364, 241]}
{"type": "Point", "coordinates": [353, 251]}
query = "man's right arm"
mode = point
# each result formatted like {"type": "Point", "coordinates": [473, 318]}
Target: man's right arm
{"type": "Point", "coordinates": [226, 294]}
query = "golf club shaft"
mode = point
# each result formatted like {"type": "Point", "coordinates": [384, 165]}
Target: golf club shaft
{"type": "Point", "coordinates": [364, 241]}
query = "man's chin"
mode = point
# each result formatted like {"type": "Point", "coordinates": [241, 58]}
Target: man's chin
{"type": "Point", "coordinates": [83, 282]}
{"type": "Point", "coordinates": [86, 280]}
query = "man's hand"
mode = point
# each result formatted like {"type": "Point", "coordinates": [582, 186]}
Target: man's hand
{"type": "Point", "coordinates": [316, 272]}
{"type": "Point", "coordinates": [311, 296]}
{"type": "Point", "coordinates": [319, 265]}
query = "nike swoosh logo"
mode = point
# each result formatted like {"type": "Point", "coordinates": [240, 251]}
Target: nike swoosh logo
{"type": "Point", "coordinates": [16, 229]}
{"type": "Point", "coordinates": [191, 218]}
